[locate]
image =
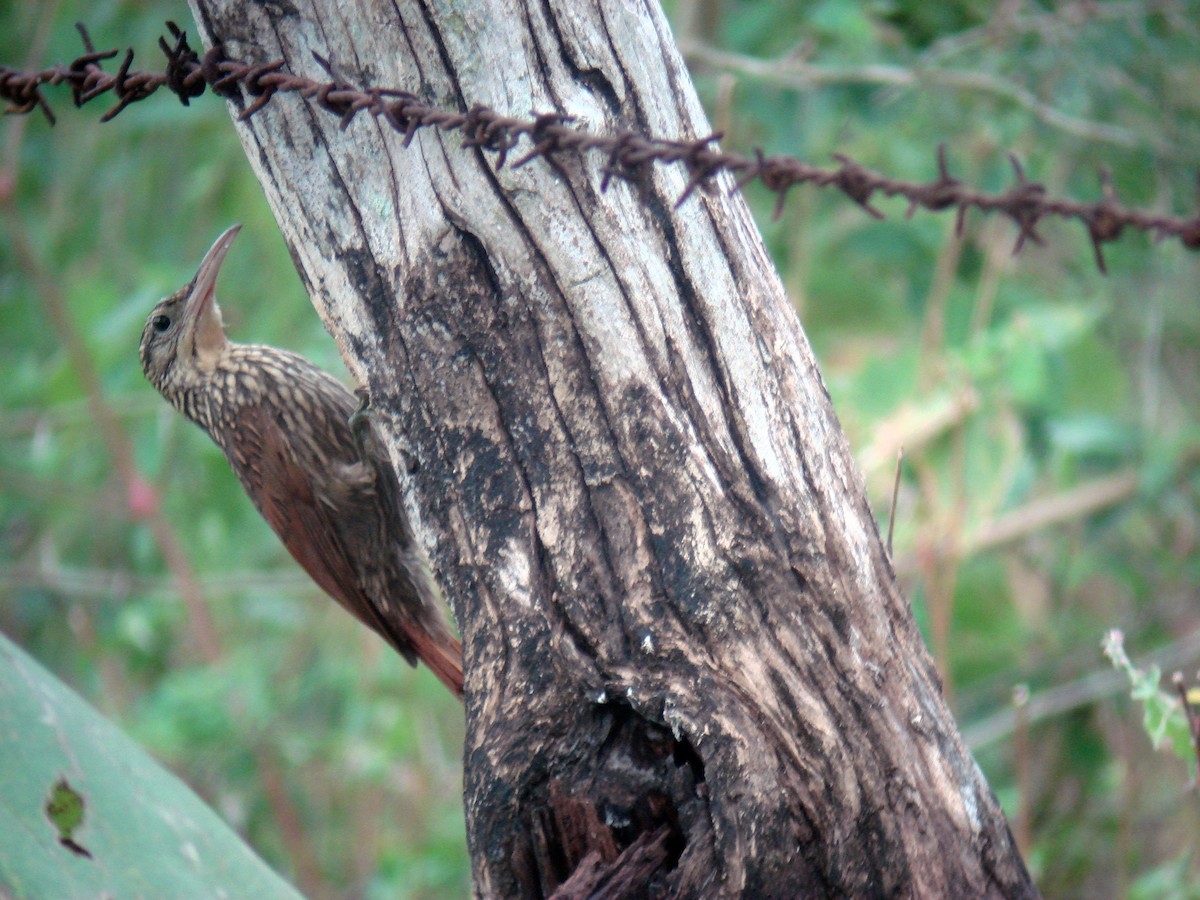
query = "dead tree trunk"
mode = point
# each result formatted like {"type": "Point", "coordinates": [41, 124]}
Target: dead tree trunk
{"type": "Point", "coordinates": [689, 669]}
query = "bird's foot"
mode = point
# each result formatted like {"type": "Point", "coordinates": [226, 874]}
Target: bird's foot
{"type": "Point", "coordinates": [360, 424]}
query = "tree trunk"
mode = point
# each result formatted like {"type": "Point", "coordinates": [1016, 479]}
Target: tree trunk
{"type": "Point", "coordinates": [689, 668]}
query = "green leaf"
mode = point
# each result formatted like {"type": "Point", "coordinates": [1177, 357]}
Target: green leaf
{"type": "Point", "coordinates": [88, 814]}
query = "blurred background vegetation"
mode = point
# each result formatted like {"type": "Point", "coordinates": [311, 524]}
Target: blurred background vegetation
{"type": "Point", "coordinates": [1048, 416]}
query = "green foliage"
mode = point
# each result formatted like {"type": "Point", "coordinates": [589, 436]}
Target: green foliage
{"type": "Point", "coordinates": [1012, 384]}
{"type": "Point", "coordinates": [364, 750]}
{"type": "Point", "coordinates": [1015, 386]}
{"type": "Point", "coordinates": [1163, 716]}
{"type": "Point", "coordinates": [119, 825]}
{"type": "Point", "coordinates": [1172, 880]}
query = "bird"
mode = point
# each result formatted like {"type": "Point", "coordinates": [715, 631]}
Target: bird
{"type": "Point", "coordinates": [306, 453]}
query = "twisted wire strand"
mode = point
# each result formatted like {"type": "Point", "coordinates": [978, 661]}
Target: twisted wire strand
{"type": "Point", "coordinates": [628, 154]}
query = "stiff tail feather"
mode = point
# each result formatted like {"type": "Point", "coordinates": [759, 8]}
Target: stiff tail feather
{"type": "Point", "coordinates": [443, 655]}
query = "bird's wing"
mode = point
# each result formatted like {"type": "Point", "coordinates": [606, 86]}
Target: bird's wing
{"type": "Point", "coordinates": [283, 493]}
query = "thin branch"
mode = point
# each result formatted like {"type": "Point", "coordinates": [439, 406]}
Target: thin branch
{"type": "Point", "coordinates": [120, 447]}
{"type": "Point", "coordinates": [1068, 506]}
{"type": "Point", "coordinates": [1074, 694]}
{"type": "Point", "coordinates": [97, 583]}
{"type": "Point", "coordinates": [1022, 764]}
{"type": "Point", "coordinates": [65, 413]}
{"type": "Point", "coordinates": [289, 821]}
{"type": "Point", "coordinates": [1191, 715]}
{"type": "Point", "coordinates": [1077, 503]}
{"type": "Point", "coordinates": [1063, 23]}
{"type": "Point", "coordinates": [913, 426]}
{"type": "Point", "coordinates": [793, 72]}
{"type": "Point", "coordinates": [895, 495]}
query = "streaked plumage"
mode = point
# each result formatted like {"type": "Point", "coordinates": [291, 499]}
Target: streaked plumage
{"type": "Point", "coordinates": [284, 426]}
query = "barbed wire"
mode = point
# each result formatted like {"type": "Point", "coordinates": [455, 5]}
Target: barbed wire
{"type": "Point", "coordinates": [188, 75]}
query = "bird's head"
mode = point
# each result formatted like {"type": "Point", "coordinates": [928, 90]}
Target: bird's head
{"type": "Point", "coordinates": [184, 334]}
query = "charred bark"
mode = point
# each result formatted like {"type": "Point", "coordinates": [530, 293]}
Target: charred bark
{"type": "Point", "coordinates": [689, 669]}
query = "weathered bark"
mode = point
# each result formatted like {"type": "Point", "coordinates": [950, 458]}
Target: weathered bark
{"type": "Point", "coordinates": [689, 668]}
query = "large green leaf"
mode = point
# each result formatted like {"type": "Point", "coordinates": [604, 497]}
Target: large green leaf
{"type": "Point", "coordinates": [87, 813]}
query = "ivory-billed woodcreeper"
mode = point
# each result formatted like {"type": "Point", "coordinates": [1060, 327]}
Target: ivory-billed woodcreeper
{"type": "Point", "coordinates": [319, 479]}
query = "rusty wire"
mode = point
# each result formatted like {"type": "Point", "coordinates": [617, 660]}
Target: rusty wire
{"type": "Point", "coordinates": [188, 74]}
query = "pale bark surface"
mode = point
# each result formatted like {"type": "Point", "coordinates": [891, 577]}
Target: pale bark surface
{"type": "Point", "coordinates": [684, 640]}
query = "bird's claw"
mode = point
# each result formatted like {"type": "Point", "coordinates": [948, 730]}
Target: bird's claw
{"type": "Point", "coordinates": [360, 423]}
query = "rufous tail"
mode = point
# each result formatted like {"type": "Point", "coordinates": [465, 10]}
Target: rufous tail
{"type": "Point", "coordinates": [443, 655]}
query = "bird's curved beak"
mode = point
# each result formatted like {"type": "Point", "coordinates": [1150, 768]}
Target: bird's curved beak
{"type": "Point", "coordinates": [201, 309]}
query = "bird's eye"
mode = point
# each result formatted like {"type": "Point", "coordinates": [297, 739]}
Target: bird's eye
{"type": "Point", "coordinates": [160, 323]}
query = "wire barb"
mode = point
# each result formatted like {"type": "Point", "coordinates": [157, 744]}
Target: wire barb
{"type": "Point", "coordinates": [628, 155]}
